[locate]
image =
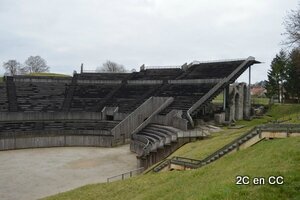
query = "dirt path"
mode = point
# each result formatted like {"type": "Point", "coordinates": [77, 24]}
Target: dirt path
{"type": "Point", "coordinates": [35, 173]}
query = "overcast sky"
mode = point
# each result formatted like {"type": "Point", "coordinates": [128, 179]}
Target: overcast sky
{"type": "Point", "coordinates": [135, 32]}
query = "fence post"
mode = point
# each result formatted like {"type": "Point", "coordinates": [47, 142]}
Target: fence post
{"type": "Point", "coordinates": [259, 133]}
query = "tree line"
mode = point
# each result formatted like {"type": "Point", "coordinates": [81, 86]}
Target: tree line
{"type": "Point", "coordinates": [33, 64]}
{"type": "Point", "coordinates": [284, 76]}
{"type": "Point", "coordinates": [36, 64]}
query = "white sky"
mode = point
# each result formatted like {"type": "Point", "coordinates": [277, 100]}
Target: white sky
{"type": "Point", "coordinates": [135, 32]}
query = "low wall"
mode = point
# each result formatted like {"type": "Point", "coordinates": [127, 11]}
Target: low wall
{"type": "Point", "coordinates": [194, 81]}
{"type": "Point", "coordinates": [47, 79]}
{"type": "Point", "coordinates": [144, 82]}
{"type": "Point", "coordinates": [56, 139]}
{"type": "Point", "coordinates": [108, 82]}
{"type": "Point", "coordinates": [27, 116]}
{"type": "Point", "coordinates": [120, 116]}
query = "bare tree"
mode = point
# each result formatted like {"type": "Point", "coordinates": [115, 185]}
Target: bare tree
{"type": "Point", "coordinates": [11, 67]}
{"type": "Point", "coordinates": [292, 28]}
{"type": "Point", "coordinates": [112, 67]}
{"type": "Point", "coordinates": [35, 64]}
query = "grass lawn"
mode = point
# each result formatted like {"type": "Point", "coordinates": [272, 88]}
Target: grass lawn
{"type": "Point", "coordinates": [285, 111]}
{"type": "Point", "coordinates": [218, 99]}
{"type": "Point", "coordinates": [216, 180]}
{"type": "Point", "coordinates": [48, 74]}
{"type": "Point", "coordinates": [260, 101]}
{"type": "Point", "coordinates": [254, 100]}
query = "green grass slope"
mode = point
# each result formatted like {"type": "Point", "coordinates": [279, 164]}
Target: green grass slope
{"type": "Point", "coordinates": [214, 181]}
{"type": "Point", "coordinates": [48, 74]}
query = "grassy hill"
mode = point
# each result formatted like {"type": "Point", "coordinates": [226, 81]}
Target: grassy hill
{"type": "Point", "coordinates": [216, 180]}
{"type": "Point", "coordinates": [48, 74]}
{"type": "Point", "coordinates": [42, 74]}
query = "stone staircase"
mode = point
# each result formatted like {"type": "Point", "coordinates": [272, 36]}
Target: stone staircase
{"type": "Point", "coordinates": [11, 94]}
{"type": "Point", "coordinates": [69, 94]}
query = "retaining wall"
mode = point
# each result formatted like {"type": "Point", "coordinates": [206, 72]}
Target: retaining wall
{"type": "Point", "coordinates": [99, 138]}
{"type": "Point", "coordinates": [27, 116]}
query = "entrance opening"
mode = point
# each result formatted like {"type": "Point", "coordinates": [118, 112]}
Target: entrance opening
{"type": "Point", "coordinates": [110, 117]}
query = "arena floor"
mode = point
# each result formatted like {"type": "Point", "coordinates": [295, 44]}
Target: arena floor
{"type": "Point", "coordinates": [35, 173]}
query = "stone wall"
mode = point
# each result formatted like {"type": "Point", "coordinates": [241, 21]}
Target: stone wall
{"type": "Point", "coordinates": [99, 138]}
{"type": "Point", "coordinates": [27, 116]}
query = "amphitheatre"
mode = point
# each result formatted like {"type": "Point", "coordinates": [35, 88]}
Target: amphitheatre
{"type": "Point", "coordinates": [137, 119]}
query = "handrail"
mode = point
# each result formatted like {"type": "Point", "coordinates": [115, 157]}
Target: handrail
{"type": "Point", "coordinates": [231, 143]}
{"type": "Point", "coordinates": [123, 175]}
{"type": "Point", "coordinates": [215, 88]}
{"type": "Point", "coordinates": [157, 168]}
{"type": "Point", "coordinates": [146, 146]}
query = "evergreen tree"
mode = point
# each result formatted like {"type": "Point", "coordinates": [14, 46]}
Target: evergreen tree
{"type": "Point", "coordinates": [277, 76]}
{"type": "Point", "coordinates": [292, 84]}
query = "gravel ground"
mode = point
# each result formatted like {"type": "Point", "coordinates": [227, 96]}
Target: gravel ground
{"type": "Point", "coordinates": [35, 173]}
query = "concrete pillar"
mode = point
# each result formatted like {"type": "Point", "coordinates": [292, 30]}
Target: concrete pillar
{"type": "Point", "coordinates": [224, 99]}
{"type": "Point", "coordinates": [239, 106]}
{"type": "Point", "coordinates": [249, 85]}
{"type": "Point", "coordinates": [247, 98]}
{"type": "Point", "coordinates": [247, 103]}
{"type": "Point", "coordinates": [226, 103]}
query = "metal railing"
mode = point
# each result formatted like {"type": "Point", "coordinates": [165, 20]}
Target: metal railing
{"type": "Point", "coordinates": [161, 165]}
{"type": "Point", "coordinates": [216, 61]}
{"type": "Point", "coordinates": [90, 71]}
{"type": "Point", "coordinates": [145, 141]}
{"type": "Point", "coordinates": [126, 175]}
{"type": "Point", "coordinates": [164, 67]}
